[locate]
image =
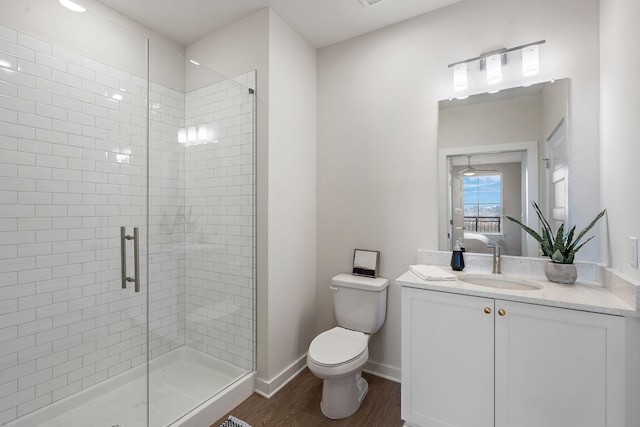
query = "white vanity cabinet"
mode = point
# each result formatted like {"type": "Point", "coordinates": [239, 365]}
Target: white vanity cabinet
{"type": "Point", "coordinates": [473, 361]}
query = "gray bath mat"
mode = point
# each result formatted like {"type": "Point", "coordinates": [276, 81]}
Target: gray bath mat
{"type": "Point", "coordinates": [234, 422]}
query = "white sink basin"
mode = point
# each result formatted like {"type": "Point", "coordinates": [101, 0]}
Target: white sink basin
{"type": "Point", "coordinates": [497, 281]}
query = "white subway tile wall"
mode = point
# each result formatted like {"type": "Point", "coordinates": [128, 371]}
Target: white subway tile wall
{"type": "Point", "coordinates": [220, 200]}
{"type": "Point", "coordinates": [73, 169]}
{"type": "Point", "coordinates": [166, 217]}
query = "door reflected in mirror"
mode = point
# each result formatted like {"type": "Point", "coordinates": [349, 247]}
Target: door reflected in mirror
{"type": "Point", "coordinates": [481, 194]}
{"type": "Point", "coordinates": [497, 152]}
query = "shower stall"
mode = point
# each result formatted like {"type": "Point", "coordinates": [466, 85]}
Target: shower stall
{"type": "Point", "coordinates": [127, 229]}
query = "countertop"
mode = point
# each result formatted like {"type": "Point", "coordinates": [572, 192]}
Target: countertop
{"type": "Point", "coordinates": [587, 295]}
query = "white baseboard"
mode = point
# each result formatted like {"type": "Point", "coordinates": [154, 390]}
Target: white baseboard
{"type": "Point", "coordinates": [268, 388]}
{"type": "Point", "coordinates": [383, 371]}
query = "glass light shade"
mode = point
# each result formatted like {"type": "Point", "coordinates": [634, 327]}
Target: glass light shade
{"type": "Point", "coordinates": [182, 135]}
{"type": "Point", "coordinates": [494, 68]}
{"type": "Point", "coordinates": [202, 132]}
{"type": "Point", "coordinates": [530, 60]}
{"type": "Point", "coordinates": [192, 134]}
{"type": "Point", "coordinates": [460, 77]}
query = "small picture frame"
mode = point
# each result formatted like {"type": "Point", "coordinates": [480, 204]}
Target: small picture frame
{"type": "Point", "coordinates": [366, 263]}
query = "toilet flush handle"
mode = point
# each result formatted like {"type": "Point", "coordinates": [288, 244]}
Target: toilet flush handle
{"type": "Point", "coordinates": [333, 288]}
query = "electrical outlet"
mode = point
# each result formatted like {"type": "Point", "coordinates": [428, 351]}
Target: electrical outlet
{"type": "Point", "coordinates": [633, 251]}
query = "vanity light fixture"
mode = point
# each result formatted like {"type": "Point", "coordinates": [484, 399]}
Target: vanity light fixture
{"type": "Point", "coordinates": [493, 62]}
{"type": "Point", "coordinates": [72, 6]}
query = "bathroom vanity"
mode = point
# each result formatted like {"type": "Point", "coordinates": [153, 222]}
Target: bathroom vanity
{"type": "Point", "coordinates": [504, 355]}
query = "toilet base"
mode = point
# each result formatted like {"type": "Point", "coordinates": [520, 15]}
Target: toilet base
{"type": "Point", "coordinates": [342, 397]}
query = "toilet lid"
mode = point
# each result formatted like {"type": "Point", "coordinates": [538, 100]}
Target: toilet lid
{"type": "Point", "coordinates": [337, 346]}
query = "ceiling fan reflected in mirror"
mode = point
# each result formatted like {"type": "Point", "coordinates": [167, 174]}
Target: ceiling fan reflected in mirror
{"type": "Point", "coordinates": [471, 171]}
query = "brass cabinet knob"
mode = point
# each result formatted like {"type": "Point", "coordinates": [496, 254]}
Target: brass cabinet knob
{"type": "Point", "coordinates": [502, 312]}
{"type": "Point", "coordinates": [487, 310]}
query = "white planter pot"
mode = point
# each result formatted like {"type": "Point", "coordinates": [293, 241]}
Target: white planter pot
{"type": "Point", "coordinates": [561, 273]}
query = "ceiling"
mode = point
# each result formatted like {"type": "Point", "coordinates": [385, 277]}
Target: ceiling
{"type": "Point", "coordinates": [320, 22]}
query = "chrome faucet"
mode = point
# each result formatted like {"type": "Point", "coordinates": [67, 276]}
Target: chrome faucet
{"type": "Point", "coordinates": [496, 257]}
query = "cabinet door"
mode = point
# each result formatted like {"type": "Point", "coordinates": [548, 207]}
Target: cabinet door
{"type": "Point", "coordinates": [558, 368]}
{"type": "Point", "coordinates": [447, 359]}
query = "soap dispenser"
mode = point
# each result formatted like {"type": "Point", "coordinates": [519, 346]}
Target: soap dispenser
{"type": "Point", "coordinates": [457, 258]}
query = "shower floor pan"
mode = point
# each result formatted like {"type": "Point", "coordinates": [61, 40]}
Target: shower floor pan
{"type": "Point", "coordinates": [179, 381]}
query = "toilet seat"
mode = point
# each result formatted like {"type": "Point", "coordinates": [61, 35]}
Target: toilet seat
{"type": "Point", "coordinates": [337, 346]}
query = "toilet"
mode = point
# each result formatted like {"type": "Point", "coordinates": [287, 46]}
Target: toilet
{"type": "Point", "coordinates": [338, 355]}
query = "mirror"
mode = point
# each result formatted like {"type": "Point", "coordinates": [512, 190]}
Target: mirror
{"type": "Point", "coordinates": [498, 152]}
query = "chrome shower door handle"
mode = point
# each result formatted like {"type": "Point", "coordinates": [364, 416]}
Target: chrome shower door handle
{"type": "Point", "coordinates": [123, 256]}
{"type": "Point", "coordinates": [136, 257]}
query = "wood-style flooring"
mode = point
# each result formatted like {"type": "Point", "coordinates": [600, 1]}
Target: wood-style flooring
{"type": "Point", "coordinates": [298, 404]}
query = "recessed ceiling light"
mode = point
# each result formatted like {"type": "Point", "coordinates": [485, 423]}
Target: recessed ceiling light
{"type": "Point", "coordinates": [72, 6]}
{"type": "Point", "coordinates": [369, 3]}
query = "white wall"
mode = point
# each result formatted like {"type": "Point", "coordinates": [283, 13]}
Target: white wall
{"type": "Point", "coordinates": [235, 49]}
{"type": "Point", "coordinates": [620, 110]}
{"type": "Point", "coordinates": [377, 130]}
{"type": "Point", "coordinates": [620, 153]}
{"type": "Point", "coordinates": [292, 197]}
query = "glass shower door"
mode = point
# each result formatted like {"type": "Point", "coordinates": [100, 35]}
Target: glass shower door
{"type": "Point", "coordinates": [201, 233]}
{"type": "Point", "coordinates": [73, 171]}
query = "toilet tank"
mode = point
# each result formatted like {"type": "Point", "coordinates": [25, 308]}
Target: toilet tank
{"type": "Point", "coordinates": [360, 302]}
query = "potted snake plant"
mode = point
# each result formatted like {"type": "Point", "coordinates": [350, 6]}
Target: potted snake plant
{"type": "Point", "coordinates": [561, 248]}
